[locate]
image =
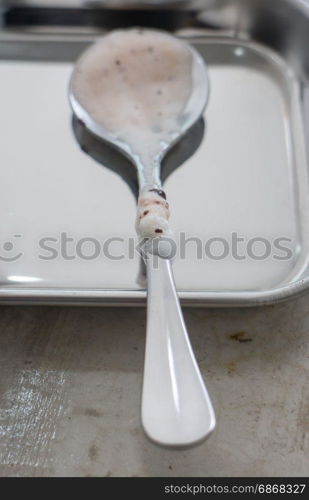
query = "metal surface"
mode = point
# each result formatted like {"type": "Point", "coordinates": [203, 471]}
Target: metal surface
{"type": "Point", "coordinates": [248, 177]}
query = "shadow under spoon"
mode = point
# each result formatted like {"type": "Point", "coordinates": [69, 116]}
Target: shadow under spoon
{"type": "Point", "coordinates": [176, 408]}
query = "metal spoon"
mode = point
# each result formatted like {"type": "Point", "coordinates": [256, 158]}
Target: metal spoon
{"type": "Point", "coordinates": [176, 409]}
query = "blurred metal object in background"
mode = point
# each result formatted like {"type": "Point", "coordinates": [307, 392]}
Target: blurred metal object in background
{"type": "Point", "coordinates": [280, 24]}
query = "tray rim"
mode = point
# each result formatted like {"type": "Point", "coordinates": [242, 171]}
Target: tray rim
{"type": "Point", "coordinates": [98, 297]}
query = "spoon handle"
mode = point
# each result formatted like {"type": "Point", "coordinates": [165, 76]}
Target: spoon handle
{"type": "Point", "coordinates": [176, 409]}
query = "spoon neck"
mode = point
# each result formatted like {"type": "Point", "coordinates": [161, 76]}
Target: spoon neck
{"type": "Point", "coordinates": [149, 173]}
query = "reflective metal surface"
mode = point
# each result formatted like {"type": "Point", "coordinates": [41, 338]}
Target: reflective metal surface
{"type": "Point", "coordinates": [247, 178]}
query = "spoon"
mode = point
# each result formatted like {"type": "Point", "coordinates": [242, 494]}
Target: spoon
{"type": "Point", "coordinates": [176, 408]}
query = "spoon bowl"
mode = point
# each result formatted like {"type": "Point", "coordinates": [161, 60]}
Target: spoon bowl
{"type": "Point", "coordinates": [187, 117]}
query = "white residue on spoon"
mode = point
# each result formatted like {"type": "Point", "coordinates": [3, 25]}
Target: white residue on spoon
{"type": "Point", "coordinates": [136, 83]}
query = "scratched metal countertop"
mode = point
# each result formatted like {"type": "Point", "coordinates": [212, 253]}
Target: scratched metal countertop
{"type": "Point", "coordinates": [70, 385]}
{"type": "Point", "coordinates": [71, 381]}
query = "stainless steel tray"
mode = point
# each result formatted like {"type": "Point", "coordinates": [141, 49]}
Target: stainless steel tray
{"type": "Point", "coordinates": [246, 178]}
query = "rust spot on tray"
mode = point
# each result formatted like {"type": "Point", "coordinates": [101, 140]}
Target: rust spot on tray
{"type": "Point", "coordinates": [240, 337]}
{"type": "Point", "coordinates": [92, 412]}
{"type": "Point", "coordinates": [231, 367]}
